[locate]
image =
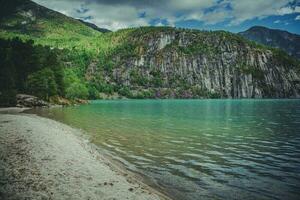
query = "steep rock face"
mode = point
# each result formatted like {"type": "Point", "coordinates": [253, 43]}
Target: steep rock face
{"type": "Point", "coordinates": [284, 40]}
{"type": "Point", "coordinates": [204, 64]}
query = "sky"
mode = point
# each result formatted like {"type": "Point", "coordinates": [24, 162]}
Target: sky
{"type": "Point", "coordinates": [229, 15]}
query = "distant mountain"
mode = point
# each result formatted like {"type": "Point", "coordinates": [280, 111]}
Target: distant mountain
{"type": "Point", "coordinates": [284, 40]}
{"type": "Point", "coordinates": [95, 27]}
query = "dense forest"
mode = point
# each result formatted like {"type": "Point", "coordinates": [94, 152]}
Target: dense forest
{"type": "Point", "coordinates": [28, 69]}
{"type": "Point", "coordinates": [37, 70]}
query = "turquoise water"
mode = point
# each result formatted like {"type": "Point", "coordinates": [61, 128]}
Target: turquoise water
{"type": "Point", "coordinates": [200, 149]}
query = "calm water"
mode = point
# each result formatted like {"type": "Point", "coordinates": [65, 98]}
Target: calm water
{"type": "Point", "coordinates": [200, 149]}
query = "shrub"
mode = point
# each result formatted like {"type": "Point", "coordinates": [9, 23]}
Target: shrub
{"type": "Point", "coordinates": [137, 78]}
{"type": "Point", "coordinates": [144, 94]}
{"type": "Point", "coordinates": [156, 80]}
{"type": "Point", "coordinates": [93, 92]}
{"type": "Point", "coordinates": [77, 91]}
{"type": "Point", "coordinates": [125, 91]}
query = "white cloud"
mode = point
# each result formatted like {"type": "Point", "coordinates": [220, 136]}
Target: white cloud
{"type": "Point", "coordinates": [103, 15]}
{"type": "Point", "coordinates": [288, 10]}
{"type": "Point", "coordinates": [298, 17]}
{"type": "Point", "coordinates": [190, 4]}
{"type": "Point", "coordinates": [112, 17]}
{"type": "Point", "coordinates": [277, 22]}
{"type": "Point", "coordinates": [215, 17]}
{"type": "Point", "coordinates": [247, 10]}
{"type": "Point", "coordinates": [116, 14]}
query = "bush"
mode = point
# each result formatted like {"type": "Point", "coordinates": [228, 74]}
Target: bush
{"type": "Point", "coordinates": [157, 79]}
{"type": "Point", "coordinates": [77, 91]}
{"type": "Point", "coordinates": [93, 92]}
{"type": "Point", "coordinates": [106, 88]}
{"type": "Point", "coordinates": [75, 87]}
{"type": "Point", "coordinates": [144, 94]}
{"type": "Point", "coordinates": [137, 78]}
{"type": "Point", "coordinates": [125, 91]}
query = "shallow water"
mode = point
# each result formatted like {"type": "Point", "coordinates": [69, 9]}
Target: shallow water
{"type": "Point", "coordinates": [200, 149]}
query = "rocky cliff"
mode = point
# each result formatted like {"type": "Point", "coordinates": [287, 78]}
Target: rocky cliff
{"type": "Point", "coordinates": [190, 63]}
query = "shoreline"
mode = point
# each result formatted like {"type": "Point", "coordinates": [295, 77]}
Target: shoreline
{"type": "Point", "coordinates": [41, 158]}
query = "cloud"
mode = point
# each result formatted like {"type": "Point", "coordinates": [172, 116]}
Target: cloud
{"type": "Point", "coordinates": [259, 9]}
{"type": "Point", "coordinates": [116, 14]}
{"type": "Point", "coordinates": [288, 10]}
{"type": "Point", "coordinates": [105, 15]}
{"type": "Point", "coordinates": [82, 10]}
{"type": "Point", "coordinates": [277, 21]}
{"type": "Point", "coordinates": [298, 17]}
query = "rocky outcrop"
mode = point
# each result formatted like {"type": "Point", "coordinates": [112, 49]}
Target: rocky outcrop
{"type": "Point", "coordinates": [24, 100]}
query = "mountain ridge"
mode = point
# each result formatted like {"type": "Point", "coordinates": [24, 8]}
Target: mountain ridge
{"type": "Point", "coordinates": [95, 27]}
{"type": "Point", "coordinates": [289, 42]}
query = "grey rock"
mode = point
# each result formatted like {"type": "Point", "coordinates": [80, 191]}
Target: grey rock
{"type": "Point", "coordinates": [24, 100]}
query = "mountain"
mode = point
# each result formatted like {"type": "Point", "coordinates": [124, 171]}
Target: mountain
{"type": "Point", "coordinates": [93, 26]}
{"type": "Point", "coordinates": [28, 20]}
{"type": "Point", "coordinates": [284, 40]}
{"type": "Point", "coordinates": [145, 62]}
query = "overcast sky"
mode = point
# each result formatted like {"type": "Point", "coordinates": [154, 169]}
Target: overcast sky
{"type": "Point", "coordinates": [231, 15]}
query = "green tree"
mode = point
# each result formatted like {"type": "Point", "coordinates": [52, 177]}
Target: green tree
{"type": "Point", "coordinates": [93, 92]}
{"type": "Point", "coordinates": [42, 84]}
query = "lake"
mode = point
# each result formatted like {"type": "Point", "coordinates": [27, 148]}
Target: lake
{"type": "Point", "coordinates": [199, 149]}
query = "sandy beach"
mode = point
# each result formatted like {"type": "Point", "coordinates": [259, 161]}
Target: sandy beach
{"type": "Point", "coordinates": [44, 159]}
